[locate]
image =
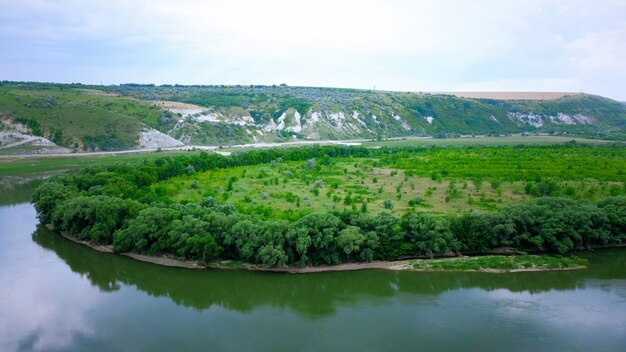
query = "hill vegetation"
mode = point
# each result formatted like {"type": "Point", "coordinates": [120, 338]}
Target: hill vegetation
{"type": "Point", "coordinates": [95, 118]}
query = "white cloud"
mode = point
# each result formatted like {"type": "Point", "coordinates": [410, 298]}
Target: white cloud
{"type": "Point", "coordinates": [603, 50]}
{"type": "Point", "coordinates": [416, 45]}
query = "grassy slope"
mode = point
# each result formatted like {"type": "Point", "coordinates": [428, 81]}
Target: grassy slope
{"type": "Point", "coordinates": [451, 114]}
{"type": "Point", "coordinates": [81, 117]}
{"type": "Point", "coordinates": [77, 118]}
{"type": "Point", "coordinates": [609, 115]}
{"type": "Point", "coordinates": [444, 180]}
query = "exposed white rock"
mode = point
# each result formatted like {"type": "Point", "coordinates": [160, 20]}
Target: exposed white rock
{"type": "Point", "coordinates": [281, 125]}
{"type": "Point", "coordinates": [297, 123]}
{"type": "Point", "coordinates": [429, 119]}
{"type": "Point", "coordinates": [282, 117]}
{"type": "Point", "coordinates": [565, 119]}
{"type": "Point", "coordinates": [336, 120]}
{"type": "Point", "coordinates": [242, 120]}
{"type": "Point", "coordinates": [251, 135]}
{"type": "Point", "coordinates": [153, 139]}
{"type": "Point", "coordinates": [10, 125]}
{"type": "Point", "coordinates": [530, 118]}
{"type": "Point", "coordinates": [494, 118]}
{"type": "Point", "coordinates": [12, 139]}
{"type": "Point", "coordinates": [585, 120]}
{"type": "Point", "coordinates": [353, 127]}
{"type": "Point", "coordinates": [405, 125]}
{"type": "Point", "coordinates": [355, 115]}
{"type": "Point", "coordinates": [297, 117]}
{"type": "Point", "coordinates": [315, 117]}
{"type": "Point", "coordinates": [16, 139]}
{"type": "Point", "coordinates": [187, 112]}
{"type": "Point", "coordinates": [271, 126]}
{"type": "Point", "coordinates": [206, 117]}
{"type": "Point", "coordinates": [562, 119]}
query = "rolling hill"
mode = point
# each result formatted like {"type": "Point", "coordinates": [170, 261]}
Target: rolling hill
{"type": "Point", "coordinates": [133, 116]}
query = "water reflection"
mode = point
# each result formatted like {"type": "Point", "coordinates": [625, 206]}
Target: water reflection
{"type": "Point", "coordinates": [312, 295]}
{"type": "Point", "coordinates": [19, 189]}
{"type": "Point", "coordinates": [58, 295]}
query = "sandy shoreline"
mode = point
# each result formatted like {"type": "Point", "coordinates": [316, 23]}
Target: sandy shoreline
{"type": "Point", "coordinates": [399, 265]}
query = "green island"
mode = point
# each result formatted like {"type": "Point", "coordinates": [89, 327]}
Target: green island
{"type": "Point", "coordinates": [319, 206]}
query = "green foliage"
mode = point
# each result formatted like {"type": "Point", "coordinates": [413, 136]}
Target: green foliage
{"type": "Point", "coordinates": [142, 232]}
{"type": "Point", "coordinates": [129, 207]}
{"type": "Point", "coordinates": [48, 196]}
{"type": "Point", "coordinates": [428, 234]}
{"type": "Point", "coordinates": [91, 218]}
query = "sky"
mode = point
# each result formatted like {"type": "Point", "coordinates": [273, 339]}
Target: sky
{"type": "Point", "coordinates": [445, 45]}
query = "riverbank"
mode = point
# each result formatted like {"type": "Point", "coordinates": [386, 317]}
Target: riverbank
{"type": "Point", "coordinates": [487, 263]}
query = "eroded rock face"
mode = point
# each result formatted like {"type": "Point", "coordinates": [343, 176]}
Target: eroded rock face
{"type": "Point", "coordinates": [538, 120]}
{"type": "Point", "coordinates": [153, 139]}
{"type": "Point", "coordinates": [27, 144]}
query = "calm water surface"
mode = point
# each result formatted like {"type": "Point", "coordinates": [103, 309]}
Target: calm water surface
{"type": "Point", "coordinates": [57, 295]}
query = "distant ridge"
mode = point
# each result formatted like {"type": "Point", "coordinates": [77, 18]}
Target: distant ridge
{"type": "Point", "coordinates": [121, 117]}
{"type": "Point", "coordinates": [511, 95]}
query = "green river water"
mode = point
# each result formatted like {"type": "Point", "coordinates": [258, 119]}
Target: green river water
{"type": "Point", "coordinates": [56, 295]}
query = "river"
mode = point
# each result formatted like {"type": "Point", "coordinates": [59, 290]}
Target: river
{"type": "Point", "coordinates": [56, 295]}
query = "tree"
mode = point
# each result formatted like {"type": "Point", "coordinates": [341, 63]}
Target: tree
{"type": "Point", "coordinates": [350, 240]}
{"type": "Point", "coordinates": [48, 196]}
{"type": "Point", "coordinates": [92, 218]}
{"type": "Point", "coordinates": [190, 238]}
{"type": "Point", "coordinates": [615, 210]}
{"type": "Point", "coordinates": [144, 230]}
{"type": "Point", "coordinates": [428, 234]}
{"type": "Point", "coordinates": [313, 237]}
{"type": "Point", "coordinates": [272, 255]}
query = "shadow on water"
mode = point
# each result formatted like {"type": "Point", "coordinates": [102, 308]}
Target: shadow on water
{"type": "Point", "coordinates": [312, 295]}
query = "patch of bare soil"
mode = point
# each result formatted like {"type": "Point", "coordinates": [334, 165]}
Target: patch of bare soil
{"type": "Point", "coordinates": [165, 104]}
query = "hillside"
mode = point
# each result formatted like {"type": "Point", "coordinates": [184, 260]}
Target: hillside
{"type": "Point", "coordinates": [94, 118]}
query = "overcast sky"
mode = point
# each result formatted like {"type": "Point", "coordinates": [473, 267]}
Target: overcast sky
{"type": "Point", "coordinates": [395, 45]}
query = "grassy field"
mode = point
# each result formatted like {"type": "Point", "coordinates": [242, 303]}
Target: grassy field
{"type": "Point", "coordinates": [500, 263]}
{"type": "Point", "coordinates": [454, 142]}
{"type": "Point", "coordinates": [485, 141]}
{"type": "Point", "coordinates": [442, 180]}
{"type": "Point", "coordinates": [22, 166]}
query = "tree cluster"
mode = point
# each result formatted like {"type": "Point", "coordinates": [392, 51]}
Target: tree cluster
{"type": "Point", "coordinates": [114, 205]}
